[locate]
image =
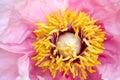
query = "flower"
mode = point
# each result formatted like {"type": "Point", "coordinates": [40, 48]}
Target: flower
{"type": "Point", "coordinates": [18, 19]}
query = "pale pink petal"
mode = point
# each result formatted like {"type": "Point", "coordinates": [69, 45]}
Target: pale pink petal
{"type": "Point", "coordinates": [23, 68]}
{"type": "Point", "coordinates": [112, 24]}
{"type": "Point", "coordinates": [4, 14]}
{"type": "Point", "coordinates": [36, 10]}
{"type": "Point", "coordinates": [110, 65]}
{"type": "Point", "coordinates": [24, 48]}
{"type": "Point", "coordinates": [14, 29]}
{"type": "Point", "coordinates": [8, 65]}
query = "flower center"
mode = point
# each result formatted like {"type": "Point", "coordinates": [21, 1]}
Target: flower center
{"type": "Point", "coordinates": [68, 40]}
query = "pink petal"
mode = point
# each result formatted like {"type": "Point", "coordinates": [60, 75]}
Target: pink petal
{"type": "Point", "coordinates": [110, 66]}
{"type": "Point", "coordinates": [14, 29]}
{"type": "Point", "coordinates": [94, 76]}
{"type": "Point", "coordinates": [36, 10]}
{"type": "Point", "coordinates": [24, 48]}
{"type": "Point", "coordinates": [36, 72]}
{"type": "Point", "coordinates": [8, 65]}
{"type": "Point", "coordinates": [4, 14]}
{"type": "Point", "coordinates": [23, 67]}
{"type": "Point", "coordinates": [111, 23]}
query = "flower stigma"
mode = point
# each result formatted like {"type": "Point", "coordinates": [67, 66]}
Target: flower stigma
{"type": "Point", "coordinates": [69, 42]}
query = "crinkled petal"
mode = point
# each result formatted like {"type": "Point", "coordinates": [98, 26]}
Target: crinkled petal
{"type": "Point", "coordinates": [112, 23]}
{"type": "Point", "coordinates": [4, 14]}
{"type": "Point", "coordinates": [23, 67]}
{"type": "Point", "coordinates": [8, 65]}
{"type": "Point", "coordinates": [24, 48]}
{"type": "Point", "coordinates": [36, 10]}
{"type": "Point", "coordinates": [13, 28]}
{"type": "Point", "coordinates": [110, 65]}
{"type": "Point", "coordinates": [17, 21]}
{"type": "Point", "coordinates": [16, 30]}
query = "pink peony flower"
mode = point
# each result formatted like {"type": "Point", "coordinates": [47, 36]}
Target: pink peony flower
{"type": "Point", "coordinates": [17, 26]}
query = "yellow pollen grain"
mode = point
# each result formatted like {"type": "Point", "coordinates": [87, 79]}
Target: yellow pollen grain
{"type": "Point", "coordinates": [49, 55]}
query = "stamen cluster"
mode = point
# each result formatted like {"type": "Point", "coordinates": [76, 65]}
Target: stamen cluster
{"type": "Point", "coordinates": [49, 54]}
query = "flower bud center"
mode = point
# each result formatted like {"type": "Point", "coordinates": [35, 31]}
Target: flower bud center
{"type": "Point", "coordinates": [69, 41]}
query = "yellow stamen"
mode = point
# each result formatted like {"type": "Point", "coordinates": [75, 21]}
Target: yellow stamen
{"type": "Point", "coordinates": [68, 58]}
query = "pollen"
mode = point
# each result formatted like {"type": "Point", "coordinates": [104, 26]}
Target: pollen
{"type": "Point", "coordinates": [69, 42]}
